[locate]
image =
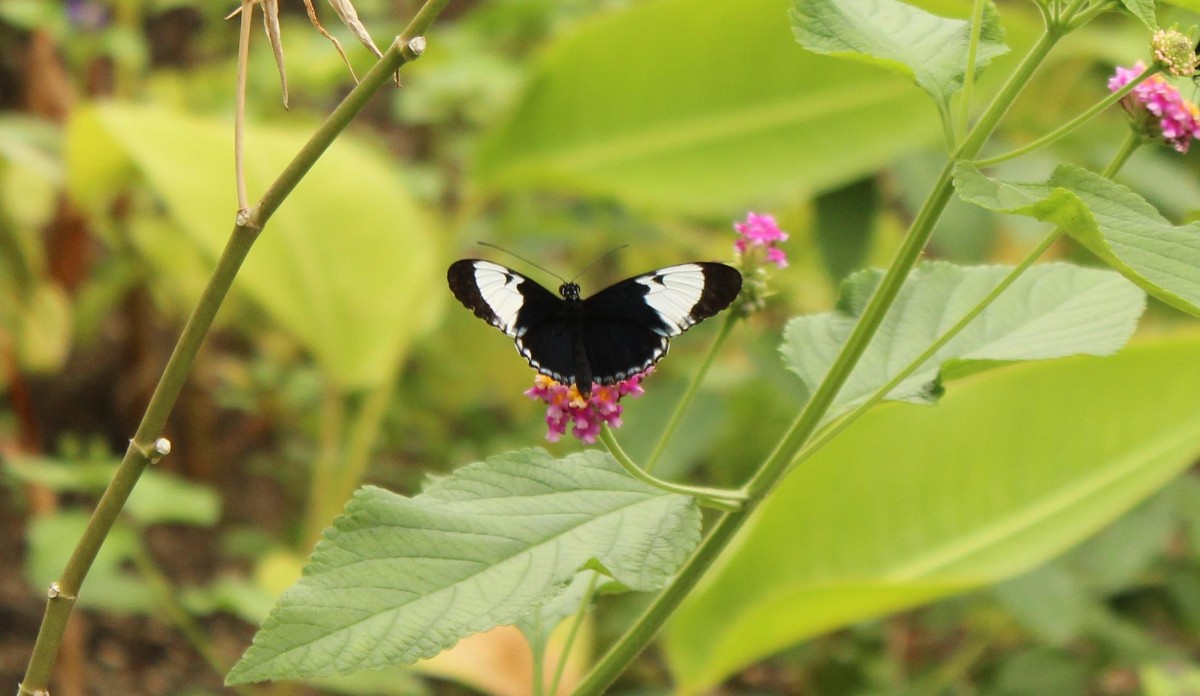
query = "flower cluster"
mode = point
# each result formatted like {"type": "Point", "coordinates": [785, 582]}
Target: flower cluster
{"type": "Point", "coordinates": [755, 249]}
{"type": "Point", "coordinates": [1157, 109]}
{"type": "Point", "coordinates": [1174, 52]}
{"type": "Point", "coordinates": [761, 233]}
{"type": "Point", "coordinates": [566, 407]}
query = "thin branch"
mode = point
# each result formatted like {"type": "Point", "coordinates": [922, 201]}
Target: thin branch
{"type": "Point", "coordinates": [146, 447]}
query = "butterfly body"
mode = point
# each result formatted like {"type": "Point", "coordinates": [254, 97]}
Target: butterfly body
{"type": "Point", "coordinates": [611, 336]}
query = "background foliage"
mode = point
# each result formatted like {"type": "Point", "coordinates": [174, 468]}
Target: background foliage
{"type": "Point", "coordinates": [558, 129]}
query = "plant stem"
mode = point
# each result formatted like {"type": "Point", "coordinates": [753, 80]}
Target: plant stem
{"type": "Point", "coordinates": [1131, 143]}
{"type": "Point", "coordinates": [771, 472]}
{"type": "Point", "coordinates": [343, 461]}
{"type": "Point", "coordinates": [1074, 123]}
{"type": "Point", "coordinates": [690, 393]}
{"type": "Point", "coordinates": [719, 498]}
{"type": "Point", "coordinates": [538, 650]}
{"type": "Point", "coordinates": [239, 109]}
{"type": "Point", "coordinates": [580, 615]}
{"type": "Point", "coordinates": [880, 394]}
{"type": "Point", "coordinates": [964, 111]}
{"type": "Point", "coordinates": [141, 451]}
{"type": "Point", "coordinates": [160, 585]}
{"type": "Point", "coordinates": [330, 431]}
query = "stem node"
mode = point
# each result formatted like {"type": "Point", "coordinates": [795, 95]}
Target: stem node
{"type": "Point", "coordinates": [55, 592]}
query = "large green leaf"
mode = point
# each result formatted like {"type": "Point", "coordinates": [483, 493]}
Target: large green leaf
{"type": "Point", "coordinates": [1051, 311]}
{"type": "Point", "coordinates": [399, 579]}
{"type": "Point", "coordinates": [701, 106]}
{"type": "Point", "coordinates": [1109, 219]}
{"type": "Point", "coordinates": [926, 48]}
{"type": "Point", "coordinates": [1013, 467]}
{"type": "Point", "coordinates": [337, 264]}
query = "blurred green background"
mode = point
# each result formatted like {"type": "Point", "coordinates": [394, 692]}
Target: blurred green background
{"type": "Point", "coordinates": [558, 129]}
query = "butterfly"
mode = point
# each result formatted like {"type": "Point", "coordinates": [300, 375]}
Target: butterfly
{"type": "Point", "coordinates": [611, 336]}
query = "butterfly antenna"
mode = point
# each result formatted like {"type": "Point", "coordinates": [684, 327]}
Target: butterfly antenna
{"type": "Point", "coordinates": [599, 258]}
{"type": "Point", "coordinates": [522, 258]}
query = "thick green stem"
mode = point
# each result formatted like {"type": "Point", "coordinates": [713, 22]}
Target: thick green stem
{"type": "Point", "coordinates": [771, 472]}
{"type": "Point", "coordinates": [690, 394]}
{"type": "Point", "coordinates": [142, 448]}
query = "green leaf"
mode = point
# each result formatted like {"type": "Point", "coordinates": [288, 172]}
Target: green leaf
{"type": "Point", "coordinates": [721, 110]}
{"type": "Point", "coordinates": [338, 263]}
{"type": "Point", "coordinates": [400, 579]}
{"type": "Point", "coordinates": [912, 504]}
{"type": "Point", "coordinates": [1052, 310]}
{"type": "Point", "coordinates": [923, 47]}
{"type": "Point", "coordinates": [1112, 221]}
{"type": "Point", "coordinates": [1143, 10]}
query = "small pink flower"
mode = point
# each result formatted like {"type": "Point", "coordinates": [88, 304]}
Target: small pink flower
{"type": "Point", "coordinates": [761, 231]}
{"type": "Point", "coordinates": [1157, 109]}
{"type": "Point", "coordinates": [566, 407]}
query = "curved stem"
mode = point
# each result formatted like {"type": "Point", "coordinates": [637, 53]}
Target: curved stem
{"type": "Point", "coordinates": [1074, 123]}
{"type": "Point", "coordinates": [690, 393]}
{"type": "Point", "coordinates": [771, 472]}
{"type": "Point", "coordinates": [719, 498]}
{"type": "Point", "coordinates": [141, 451]}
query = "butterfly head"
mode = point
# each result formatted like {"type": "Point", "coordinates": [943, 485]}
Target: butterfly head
{"type": "Point", "coordinates": [569, 291]}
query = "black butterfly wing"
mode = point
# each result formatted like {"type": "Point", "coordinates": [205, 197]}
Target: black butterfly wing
{"type": "Point", "coordinates": [521, 308]}
{"type": "Point", "coordinates": [626, 326]}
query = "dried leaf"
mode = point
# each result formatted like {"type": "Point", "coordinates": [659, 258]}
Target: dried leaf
{"type": "Point", "coordinates": [271, 25]}
{"type": "Point", "coordinates": [312, 17]}
{"type": "Point", "coordinates": [350, 18]}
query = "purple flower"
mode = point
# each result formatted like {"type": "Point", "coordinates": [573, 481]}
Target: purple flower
{"type": "Point", "coordinates": [1157, 109]}
{"type": "Point", "coordinates": [566, 407]}
{"type": "Point", "coordinates": [761, 231]}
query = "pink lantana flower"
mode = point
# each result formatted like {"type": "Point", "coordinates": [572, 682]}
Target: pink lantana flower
{"type": "Point", "coordinates": [1157, 109]}
{"type": "Point", "coordinates": [566, 407]}
{"type": "Point", "coordinates": [756, 249]}
{"type": "Point", "coordinates": [763, 232]}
